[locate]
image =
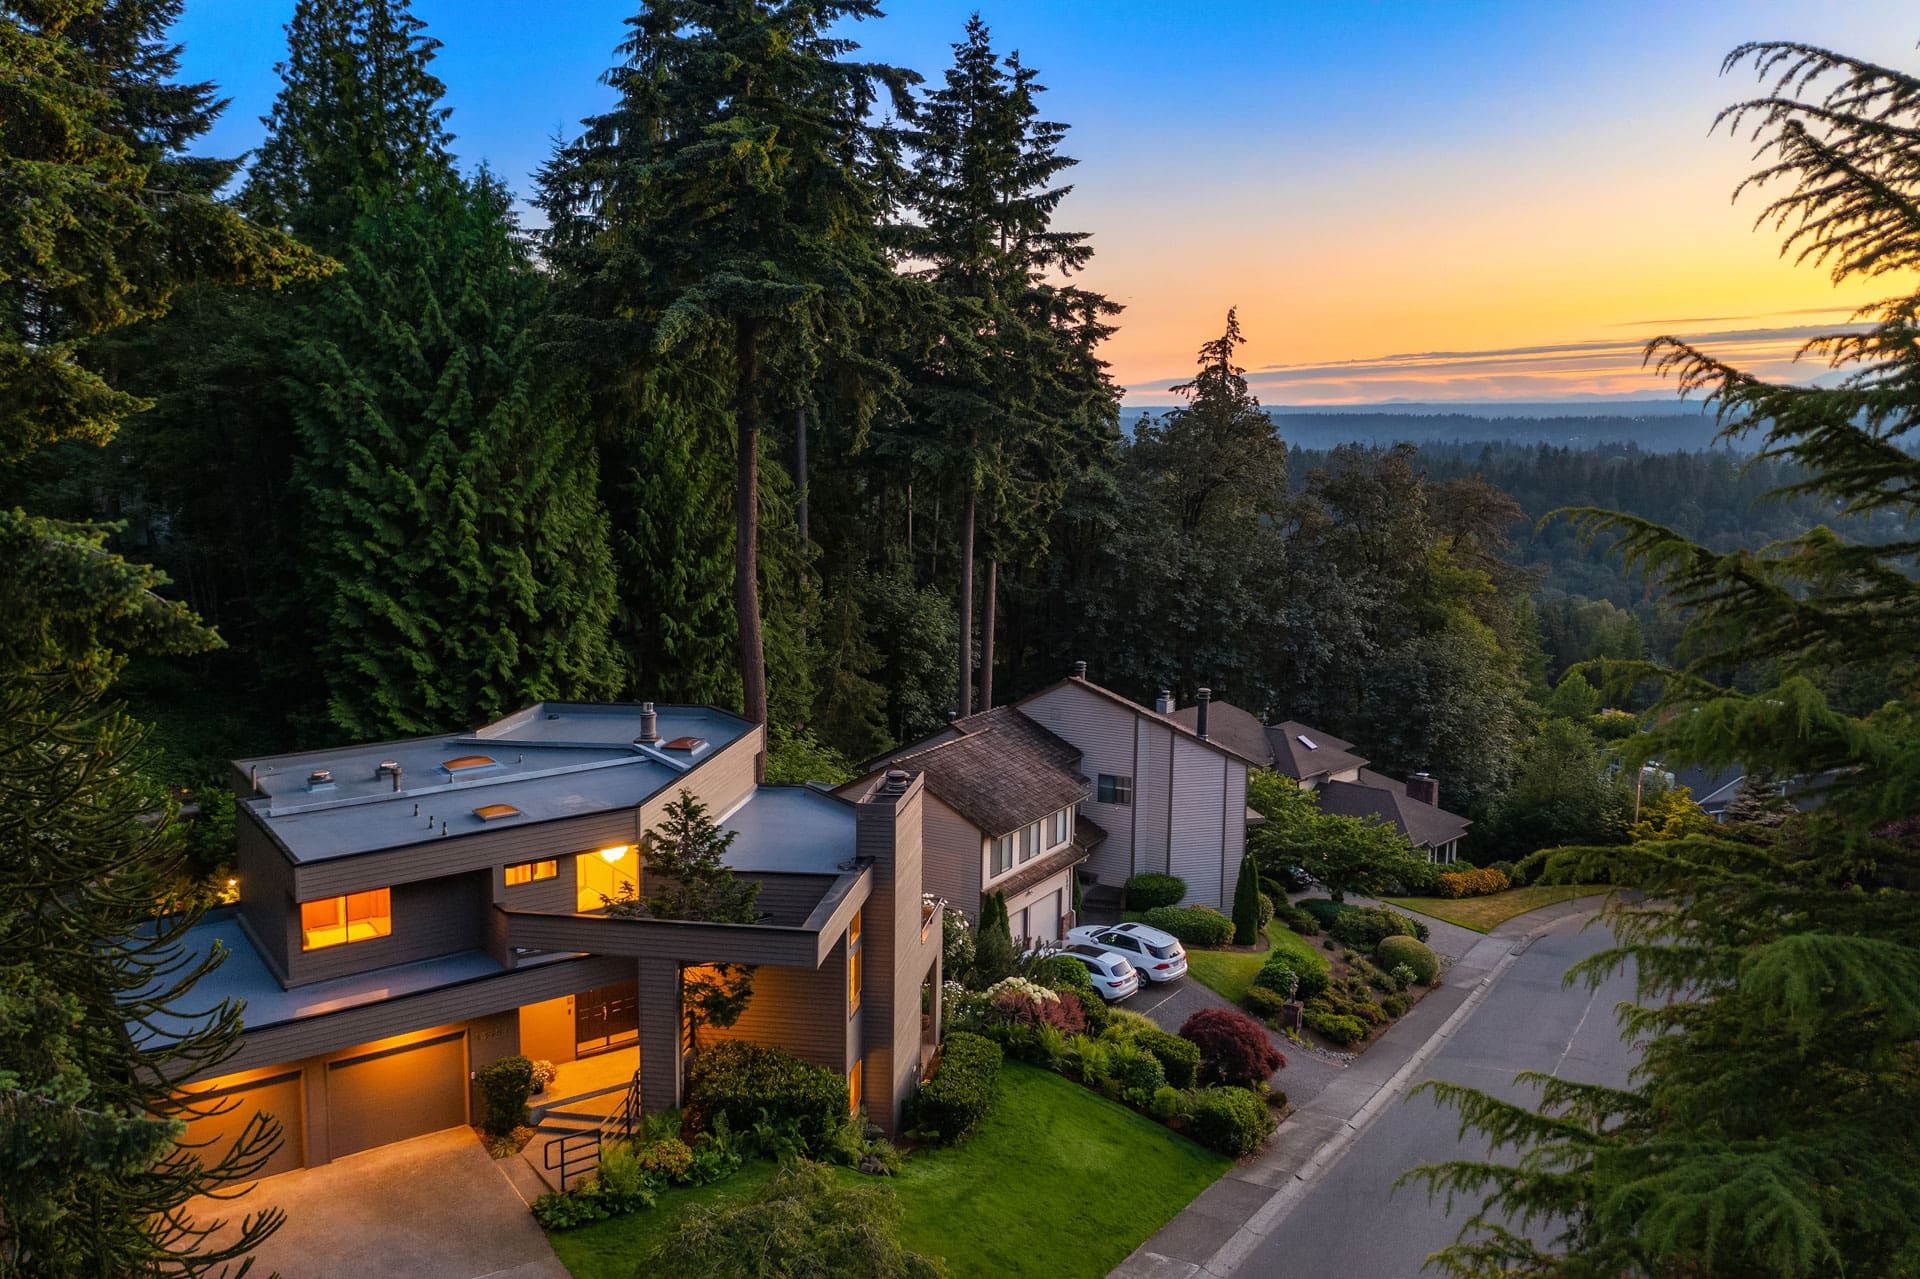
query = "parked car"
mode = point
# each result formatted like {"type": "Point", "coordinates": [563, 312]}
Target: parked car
{"type": "Point", "coordinates": [1113, 976]}
{"type": "Point", "coordinates": [1155, 955]}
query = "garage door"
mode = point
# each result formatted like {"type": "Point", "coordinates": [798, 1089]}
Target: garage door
{"type": "Point", "coordinates": [396, 1094]}
{"type": "Point", "coordinates": [214, 1135]}
{"type": "Point", "coordinates": [1043, 918]}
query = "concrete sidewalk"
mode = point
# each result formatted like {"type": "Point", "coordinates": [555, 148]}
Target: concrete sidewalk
{"type": "Point", "coordinates": [1226, 1221]}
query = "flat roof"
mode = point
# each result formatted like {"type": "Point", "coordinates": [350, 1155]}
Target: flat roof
{"type": "Point", "coordinates": [793, 830]}
{"type": "Point", "coordinates": [552, 760]}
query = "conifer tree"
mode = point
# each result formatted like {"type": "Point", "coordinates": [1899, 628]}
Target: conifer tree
{"type": "Point", "coordinates": [448, 533]}
{"type": "Point", "coordinates": [1768, 1131]}
{"type": "Point", "coordinates": [716, 237]}
{"type": "Point", "coordinates": [1006, 386]}
{"type": "Point", "coordinates": [1246, 902]}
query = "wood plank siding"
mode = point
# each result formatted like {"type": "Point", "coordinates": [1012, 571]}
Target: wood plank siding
{"type": "Point", "coordinates": [1106, 734]}
{"type": "Point", "coordinates": [955, 856]}
{"type": "Point", "coordinates": [1199, 822]}
{"type": "Point", "coordinates": [440, 917]}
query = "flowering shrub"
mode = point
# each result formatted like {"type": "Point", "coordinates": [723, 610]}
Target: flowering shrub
{"type": "Point", "coordinates": [1019, 1002]}
{"type": "Point", "coordinates": [1470, 883]}
{"type": "Point", "coordinates": [671, 1159]}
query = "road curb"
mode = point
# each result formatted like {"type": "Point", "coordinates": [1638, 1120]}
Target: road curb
{"type": "Point", "coordinates": [1230, 1255]}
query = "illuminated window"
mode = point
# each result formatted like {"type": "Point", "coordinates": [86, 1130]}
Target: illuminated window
{"type": "Point", "coordinates": [855, 951]}
{"type": "Point", "coordinates": [853, 1089]}
{"type": "Point", "coordinates": [339, 920]}
{"type": "Point", "coordinates": [853, 929]}
{"type": "Point", "coordinates": [527, 872]}
{"type": "Point", "coordinates": [608, 874]}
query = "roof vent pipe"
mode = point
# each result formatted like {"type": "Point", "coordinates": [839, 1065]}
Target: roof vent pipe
{"type": "Point", "coordinates": [649, 723]}
{"type": "Point", "coordinates": [389, 767]}
{"type": "Point", "coordinates": [1200, 722]}
{"type": "Point", "coordinates": [1079, 670]}
{"type": "Point", "coordinates": [898, 779]}
{"type": "Point", "coordinates": [1163, 705]}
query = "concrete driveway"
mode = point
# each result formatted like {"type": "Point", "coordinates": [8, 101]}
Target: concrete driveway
{"type": "Point", "coordinates": [435, 1207]}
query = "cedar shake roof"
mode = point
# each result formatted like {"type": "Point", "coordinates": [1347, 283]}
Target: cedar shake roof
{"type": "Point", "coordinates": [1376, 795]}
{"type": "Point", "coordinates": [998, 769]}
{"type": "Point", "coordinates": [1229, 726]}
{"type": "Point", "coordinates": [1295, 759]}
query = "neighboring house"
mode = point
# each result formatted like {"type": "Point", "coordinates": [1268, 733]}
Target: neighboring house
{"type": "Point", "coordinates": [1714, 789]}
{"type": "Point", "coordinates": [1167, 797]}
{"type": "Point", "coordinates": [1321, 762]}
{"type": "Point", "coordinates": [410, 911]}
{"type": "Point", "coordinates": [999, 818]}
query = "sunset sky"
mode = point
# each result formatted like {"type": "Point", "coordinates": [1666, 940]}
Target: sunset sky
{"type": "Point", "coordinates": [1464, 201]}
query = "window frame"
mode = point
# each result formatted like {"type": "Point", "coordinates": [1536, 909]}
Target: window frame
{"type": "Point", "coordinates": [856, 952]}
{"type": "Point", "coordinates": [996, 865]}
{"type": "Point", "coordinates": [375, 907]}
{"type": "Point", "coordinates": [1112, 788]}
{"type": "Point", "coordinates": [1062, 827]}
{"type": "Point", "coordinates": [537, 870]}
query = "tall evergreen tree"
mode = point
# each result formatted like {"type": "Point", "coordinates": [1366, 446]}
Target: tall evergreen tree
{"type": "Point", "coordinates": [716, 237]}
{"type": "Point", "coordinates": [1006, 387]}
{"type": "Point", "coordinates": [449, 539]}
{"type": "Point", "coordinates": [1768, 1131]}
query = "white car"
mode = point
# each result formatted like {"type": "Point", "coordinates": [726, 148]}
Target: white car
{"type": "Point", "coordinates": [1157, 956]}
{"type": "Point", "coordinates": [1113, 976]}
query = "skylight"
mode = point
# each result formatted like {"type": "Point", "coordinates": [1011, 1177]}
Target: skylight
{"type": "Point", "coordinates": [462, 763]}
{"type": "Point", "coordinates": [494, 812]}
{"type": "Point", "coordinates": [1307, 742]}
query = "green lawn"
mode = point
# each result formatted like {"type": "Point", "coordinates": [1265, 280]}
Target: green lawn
{"type": "Point", "coordinates": [1483, 914]}
{"type": "Point", "coordinates": [1015, 1199]}
{"type": "Point", "coordinates": [1230, 972]}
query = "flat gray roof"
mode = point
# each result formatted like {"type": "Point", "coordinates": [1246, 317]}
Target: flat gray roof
{"type": "Point", "coordinates": [793, 830]}
{"type": "Point", "coordinates": [552, 760]}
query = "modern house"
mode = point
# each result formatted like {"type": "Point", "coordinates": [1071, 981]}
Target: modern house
{"type": "Point", "coordinates": [410, 911]}
{"type": "Point", "coordinates": [1000, 817]}
{"type": "Point", "coordinates": [1076, 775]}
{"type": "Point", "coordinates": [1324, 763]}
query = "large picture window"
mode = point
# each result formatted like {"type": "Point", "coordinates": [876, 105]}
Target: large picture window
{"type": "Point", "coordinates": [336, 921]}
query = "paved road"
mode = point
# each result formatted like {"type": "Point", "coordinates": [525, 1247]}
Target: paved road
{"type": "Point", "coordinates": [1347, 1226]}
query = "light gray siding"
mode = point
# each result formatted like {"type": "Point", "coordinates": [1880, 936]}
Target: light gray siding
{"type": "Point", "coordinates": [1106, 735]}
{"type": "Point", "coordinates": [1153, 797]}
{"type": "Point", "coordinates": [1199, 822]}
{"type": "Point", "coordinates": [955, 856]}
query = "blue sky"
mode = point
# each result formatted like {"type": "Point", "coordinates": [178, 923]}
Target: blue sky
{"type": "Point", "coordinates": [1359, 179]}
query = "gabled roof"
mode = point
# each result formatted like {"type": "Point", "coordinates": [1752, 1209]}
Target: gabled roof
{"type": "Point", "coordinates": [1080, 681]}
{"type": "Point", "coordinates": [1376, 795]}
{"type": "Point", "coordinates": [1304, 753]}
{"type": "Point", "coordinates": [998, 769]}
{"type": "Point", "coordinates": [1230, 726]}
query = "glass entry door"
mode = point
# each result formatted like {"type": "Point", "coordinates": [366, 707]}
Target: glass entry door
{"type": "Point", "coordinates": [606, 1017]}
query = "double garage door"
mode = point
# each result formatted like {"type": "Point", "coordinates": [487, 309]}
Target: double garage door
{"type": "Point", "coordinates": [370, 1099]}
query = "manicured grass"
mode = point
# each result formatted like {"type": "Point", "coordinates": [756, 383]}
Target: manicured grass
{"type": "Point", "coordinates": [1230, 972]}
{"type": "Point", "coordinates": [1013, 1200]}
{"type": "Point", "coordinates": [1020, 1197]}
{"type": "Point", "coordinates": [1483, 914]}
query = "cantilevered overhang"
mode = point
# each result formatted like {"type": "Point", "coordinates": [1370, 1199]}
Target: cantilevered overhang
{"type": "Point", "coordinates": [804, 945]}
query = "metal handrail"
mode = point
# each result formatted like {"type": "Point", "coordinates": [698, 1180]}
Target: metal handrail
{"type": "Point", "coordinates": [579, 1152]}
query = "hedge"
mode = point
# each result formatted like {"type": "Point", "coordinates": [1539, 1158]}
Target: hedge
{"type": "Point", "coordinates": [1180, 1058]}
{"type": "Point", "coordinates": [961, 1093]}
{"type": "Point", "coordinates": [1394, 951]}
{"type": "Point", "coordinates": [741, 1080]}
{"type": "Point", "coordinates": [1233, 1121]}
{"type": "Point", "coordinates": [1470, 883]}
{"type": "Point", "coordinates": [1194, 925]}
{"type": "Point", "coordinates": [1146, 891]}
{"type": "Point", "coordinates": [1363, 927]}
{"type": "Point", "coordinates": [1311, 971]}
{"type": "Point", "coordinates": [505, 1086]}
{"type": "Point", "coordinates": [1339, 1028]}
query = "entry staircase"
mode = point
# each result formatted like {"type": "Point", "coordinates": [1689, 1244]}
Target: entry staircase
{"type": "Point", "coordinates": [572, 1130]}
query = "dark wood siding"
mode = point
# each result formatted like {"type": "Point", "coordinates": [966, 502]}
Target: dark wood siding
{"type": "Point", "coordinates": [789, 899]}
{"type": "Point", "coordinates": [801, 1010]}
{"type": "Point", "coordinates": [556, 894]}
{"type": "Point", "coordinates": [442, 917]}
{"type": "Point", "coordinates": [266, 892]}
{"type": "Point", "coordinates": [458, 854]}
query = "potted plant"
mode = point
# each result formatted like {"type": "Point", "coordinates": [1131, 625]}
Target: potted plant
{"type": "Point", "coordinates": [543, 1074]}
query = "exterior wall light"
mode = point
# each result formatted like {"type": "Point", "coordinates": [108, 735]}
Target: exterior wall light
{"type": "Point", "coordinates": [612, 856]}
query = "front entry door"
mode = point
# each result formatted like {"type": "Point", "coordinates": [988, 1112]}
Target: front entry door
{"type": "Point", "coordinates": [606, 1017]}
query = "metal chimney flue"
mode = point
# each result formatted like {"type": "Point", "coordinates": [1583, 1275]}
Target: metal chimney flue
{"type": "Point", "coordinates": [1079, 670]}
{"type": "Point", "coordinates": [1200, 722]}
{"type": "Point", "coordinates": [389, 768]}
{"type": "Point", "coordinates": [649, 723]}
{"type": "Point", "coordinates": [898, 779]}
{"type": "Point", "coordinates": [1163, 704]}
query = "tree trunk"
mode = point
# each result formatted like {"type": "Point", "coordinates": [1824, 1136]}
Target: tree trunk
{"type": "Point", "coordinates": [911, 566]}
{"type": "Point", "coordinates": [966, 603]}
{"type": "Point", "coordinates": [746, 531]}
{"type": "Point", "coordinates": [986, 635]}
{"type": "Point", "coordinates": [800, 471]}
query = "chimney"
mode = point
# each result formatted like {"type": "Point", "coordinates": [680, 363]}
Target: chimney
{"type": "Point", "coordinates": [389, 767]}
{"type": "Point", "coordinates": [1425, 788]}
{"type": "Point", "coordinates": [1079, 670]}
{"type": "Point", "coordinates": [649, 723]}
{"type": "Point", "coordinates": [1200, 725]}
{"type": "Point", "coordinates": [1163, 704]}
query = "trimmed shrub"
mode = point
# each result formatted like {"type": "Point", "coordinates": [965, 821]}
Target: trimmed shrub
{"type": "Point", "coordinates": [1246, 903]}
{"type": "Point", "coordinates": [670, 1158]}
{"type": "Point", "coordinates": [1470, 883]}
{"type": "Point", "coordinates": [1167, 1103]}
{"type": "Point", "coordinates": [960, 1094]}
{"type": "Point", "coordinates": [1146, 891]}
{"type": "Point", "coordinates": [1124, 1023]}
{"type": "Point", "coordinates": [1179, 1058]}
{"type": "Point", "coordinates": [1265, 1002]}
{"type": "Point", "coordinates": [1234, 1048]}
{"type": "Point", "coordinates": [1338, 1028]}
{"type": "Point", "coordinates": [1403, 975]}
{"type": "Point", "coordinates": [1395, 1006]}
{"type": "Point", "coordinates": [1364, 927]}
{"type": "Point", "coordinates": [1296, 919]}
{"type": "Point", "coordinates": [1395, 952]}
{"type": "Point", "coordinates": [1309, 977]}
{"type": "Point", "coordinates": [1194, 925]}
{"type": "Point", "coordinates": [1266, 910]}
{"type": "Point", "coordinates": [505, 1086]}
{"type": "Point", "coordinates": [1324, 910]}
{"type": "Point", "coordinates": [741, 1080]}
{"type": "Point", "coordinates": [1232, 1121]}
